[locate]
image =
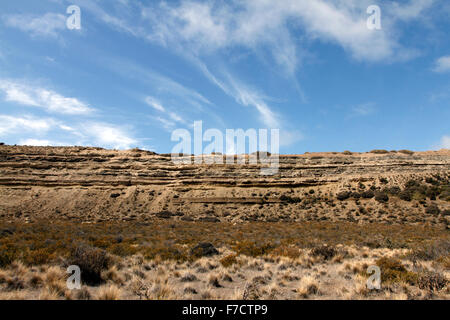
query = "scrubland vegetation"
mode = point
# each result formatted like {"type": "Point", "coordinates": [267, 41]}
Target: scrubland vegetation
{"type": "Point", "coordinates": [191, 260]}
{"type": "Point", "coordinates": [140, 227]}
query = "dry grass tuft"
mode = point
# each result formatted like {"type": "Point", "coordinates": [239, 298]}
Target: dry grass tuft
{"type": "Point", "coordinates": [308, 287]}
{"type": "Point", "coordinates": [213, 281]}
{"type": "Point", "coordinates": [109, 292]}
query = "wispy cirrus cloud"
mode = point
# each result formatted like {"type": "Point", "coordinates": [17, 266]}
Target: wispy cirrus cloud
{"type": "Point", "coordinates": [409, 10]}
{"type": "Point", "coordinates": [155, 104]}
{"type": "Point", "coordinates": [206, 27]}
{"type": "Point", "coordinates": [249, 97]}
{"type": "Point", "coordinates": [47, 25]}
{"type": "Point", "coordinates": [364, 109]}
{"type": "Point", "coordinates": [161, 84]}
{"type": "Point", "coordinates": [170, 118]}
{"type": "Point", "coordinates": [35, 96]}
{"type": "Point", "coordinates": [442, 64]}
{"type": "Point", "coordinates": [285, 28]}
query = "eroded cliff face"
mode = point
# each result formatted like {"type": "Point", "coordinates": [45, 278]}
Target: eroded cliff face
{"type": "Point", "coordinates": [92, 184]}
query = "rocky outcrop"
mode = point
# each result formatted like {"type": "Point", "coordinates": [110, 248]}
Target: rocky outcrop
{"type": "Point", "coordinates": [93, 184]}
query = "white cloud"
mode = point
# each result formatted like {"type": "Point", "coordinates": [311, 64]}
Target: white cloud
{"type": "Point", "coordinates": [51, 101]}
{"type": "Point", "coordinates": [442, 64]}
{"type": "Point", "coordinates": [445, 142]}
{"type": "Point", "coordinates": [40, 143]}
{"type": "Point", "coordinates": [30, 130]}
{"type": "Point", "coordinates": [46, 25]}
{"type": "Point", "coordinates": [110, 136]}
{"type": "Point", "coordinates": [14, 124]}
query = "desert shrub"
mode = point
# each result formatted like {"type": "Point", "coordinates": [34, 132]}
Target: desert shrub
{"type": "Point", "coordinates": [444, 192]}
{"type": "Point", "coordinates": [189, 278]}
{"type": "Point", "coordinates": [38, 257]}
{"type": "Point", "coordinates": [15, 283]}
{"type": "Point", "coordinates": [355, 195]}
{"type": "Point", "coordinates": [252, 249]}
{"type": "Point", "coordinates": [433, 251]}
{"type": "Point", "coordinates": [415, 190]}
{"type": "Point", "coordinates": [418, 196]}
{"type": "Point", "coordinates": [283, 251]}
{"type": "Point", "coordinates": [165, 253]}
{"type": "Point", "coordinates": [164, 214]}
{"type": "Point", "coordinates": [432, 192]}
{"type": "Point", "coordinates": [405, 195]}
{"type": "Point", "coordinates": [408, 152]}
{"type": "Point", "coordinates": [381, 196]}
{"type": "Point", "coordinates": [122, 249]}
{"type": "Point", "coordinates": [214, 281]}
{"type": "Point", "coordinates": [392, 270]}
{"type": "Point", "coordinates": [378, 151]}
{"type": "Point", "coordinates": [289, 199]}
{"type": "Point", "coordinates": [324, 252]}
{"type": "Point", "coordinates": [412, 184]}
{"type": "Point", "coordinates": [347, 153]}
{"type": "Point", "coordinates": [204, 249]}
{"type": "Point", "coordinates": [83, 294]}
{"type": "Point", "coordinates": [228, 260]}
{"type": "Point", "coordinates": [344, 195]}
{"type": "Point", "coordinates": [383, 180]}
{"type": "Point", "coordinates": [8, 254]}
{"type": "Point", "coordinates": [92, 261]}
{"type": "Point", "coordinates": [432, 181]}
{"type": "Point", "coordinates": [35, 281]}
{"type": "Point", "coordinates": [432, 281]}
{"type": "Point", "coordinates": [368, 194]}
{"type": "Point", "coordinates": [394, 190]}
{"type": "Point", "coordinates": [433, 209]}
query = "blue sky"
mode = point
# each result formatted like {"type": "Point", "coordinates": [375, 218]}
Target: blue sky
{"type": "Point", "coordinates": [137, 70]}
